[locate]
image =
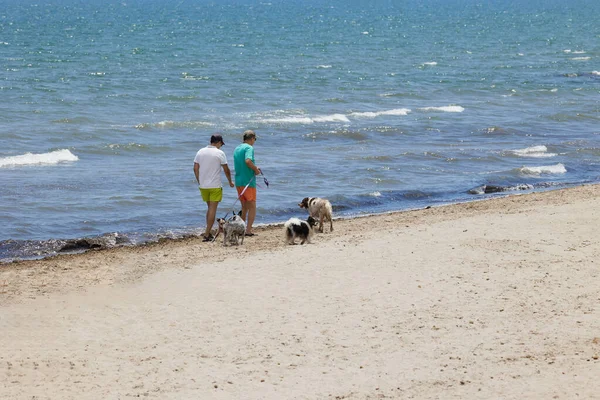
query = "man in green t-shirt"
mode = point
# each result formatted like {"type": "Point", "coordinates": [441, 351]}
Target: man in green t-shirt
{"type": "Point", "coordinates": [245, 178]}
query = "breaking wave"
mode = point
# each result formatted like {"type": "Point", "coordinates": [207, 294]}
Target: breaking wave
{"type": "Point", "coordinates": [51, 158]}
{"type": "Point", "coordinates": [174, 125]}
{"type": "Point", "coordinates": [398, 111]}
{"type": "Point", "coordinates": [545, 169]}
{"type": "Point", "coordinates": [534, 152]}
{"type": "Point", "coordinates": [308, 120]}
{"type": "Point", "coordinates": [453, 109]}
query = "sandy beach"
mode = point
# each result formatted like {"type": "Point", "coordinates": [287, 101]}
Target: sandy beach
{"type": "Point", "coordinates": [484, 300]}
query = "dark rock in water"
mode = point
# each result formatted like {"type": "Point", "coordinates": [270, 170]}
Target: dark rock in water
{"type": "Point", "coordinates": [477, 190]}
{"type": "Point", "coordinates": [11, 250]}
{"type": "Point", "coordinates": [493, 189]}
{"type": "Point", "coordinates": [75, 244]}
{"type": "Point", "coordinates": [484, 189]}
{"type": "Point", "coordinates": [100, 242]}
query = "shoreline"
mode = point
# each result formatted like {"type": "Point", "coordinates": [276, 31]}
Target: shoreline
{"type": "Point", "coordinates": [115, 240]}
{"type": "Point", "coordinates": [53, 247]}
{"type": "Point", "coordinates": [270, 237]}
{"type": "Point", "coordinates": [489, 299]}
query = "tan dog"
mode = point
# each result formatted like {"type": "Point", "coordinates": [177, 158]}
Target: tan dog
{"type": "Point", "coordinates": [319, 209]}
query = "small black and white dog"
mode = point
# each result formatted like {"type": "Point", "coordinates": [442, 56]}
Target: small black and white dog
{"type": "Point", "coordinates": [233, 229]}
{"type": "Point", "coordinates": [296, 228]}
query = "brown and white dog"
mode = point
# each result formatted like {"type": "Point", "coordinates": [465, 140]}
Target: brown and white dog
{"type": "Point", "coordinates": [319, 209]}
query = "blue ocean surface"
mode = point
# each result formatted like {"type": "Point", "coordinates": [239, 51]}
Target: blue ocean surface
{"type": "Point", "coordinates": [377, 106]}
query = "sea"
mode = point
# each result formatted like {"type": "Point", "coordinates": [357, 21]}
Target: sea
{"type": "Point", "coordinates": [376, 105]}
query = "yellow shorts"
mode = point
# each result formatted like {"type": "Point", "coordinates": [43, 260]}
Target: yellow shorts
{"type": "Point", "coordinates": [215, 194]}
{"type": "Point", "coordinates": [249, 194]}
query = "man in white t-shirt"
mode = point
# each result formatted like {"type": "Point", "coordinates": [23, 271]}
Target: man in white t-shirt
{"type": "Point", "coordinates": [207, 167]}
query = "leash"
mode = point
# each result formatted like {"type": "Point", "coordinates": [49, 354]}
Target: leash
{"type": "Point", "coordinates": [238, 197]}
{"type": "Point", "coordinates": [232, 210]}
{"type": "Point", "coordinates": [244, 191]}
{"type": "Point", "coordinates": [241, 194]}
{"type": "Point", "coordinates": [264, 179]}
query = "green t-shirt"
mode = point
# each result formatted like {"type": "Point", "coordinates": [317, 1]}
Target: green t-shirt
{"type": "Point", "coordinates": [243, 174]}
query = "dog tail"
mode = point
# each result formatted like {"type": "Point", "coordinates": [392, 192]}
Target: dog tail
{"type": "Point", "coordinates": [289, 232]}
{"type": "Point", "coordinates": [289, 228]}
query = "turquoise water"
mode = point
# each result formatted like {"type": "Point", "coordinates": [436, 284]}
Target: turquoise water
{"type": "Point", "coordinates": [378, 106]}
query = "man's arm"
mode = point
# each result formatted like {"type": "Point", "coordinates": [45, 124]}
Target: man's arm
{"type": "Point", "coordinates": [197, 172]}
{"type": "Point", "coordinates": [228, 174]}
{"type": "Point", "coordinates": [253, 167]}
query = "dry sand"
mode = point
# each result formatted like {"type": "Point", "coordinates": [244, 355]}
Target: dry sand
{"type": "Point", "coordinates": [486, 300]}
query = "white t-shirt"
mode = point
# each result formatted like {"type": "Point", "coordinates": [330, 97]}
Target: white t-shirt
{"type": "Point", "coordinates": [210, 160]}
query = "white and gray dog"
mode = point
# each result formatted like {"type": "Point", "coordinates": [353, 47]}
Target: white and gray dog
{"type": "Point", "coordinates": [296, 228]}
{"type": "Point", "coordinates": [233, 229]}
{"type": "Point", "coordinates": [319, 209]}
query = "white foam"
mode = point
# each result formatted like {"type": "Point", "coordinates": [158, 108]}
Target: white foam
{"type": "Point", "coordinates": [196, 78]}
{"type": "Point", "coordinates": [534, 152]}
{"type": "Point", "coordinates": [174, 124]}
{"type": "Point", "coordinates": [454, 109]}
{"type": "Point", "coordinates": [324, 66]}
{"type": "Point", "coordinates": [166, 124]}
{"type": "Point", "coordinates": [375, 194]}
{"type": "Point", "coordinates": [545, 169]}
{"type": "Point", "coordinates": [581, 58]}
{"type": "Point", "coordinates": [432, 63]}
{"type": "Point", "coordinates": [52, 158]}
{"type": "Point", "coordinates": [596, 73]}
{"type": "Point", "coordinates": [569, 51]}
{"type": "Point", "coordinates": [308, 120]}
{"type": "Point", "coordinates": [289, 120]}
{"type": "Point", "coordinates": [374, 114]}
{"type": "Point", "coordinates": [332, 118]}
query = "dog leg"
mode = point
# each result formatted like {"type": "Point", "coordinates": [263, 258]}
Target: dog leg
{"type": "Point", "coordinates": [321, 223]}
{"type": "Point", "coordinates": [330, 224]}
